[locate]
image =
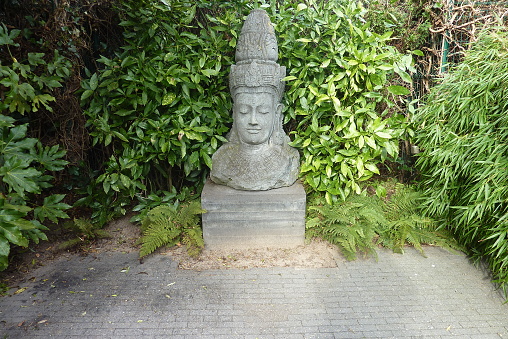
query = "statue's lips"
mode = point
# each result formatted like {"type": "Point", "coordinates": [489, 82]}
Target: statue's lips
{"type": "Point", "coordinates": [253, 130]}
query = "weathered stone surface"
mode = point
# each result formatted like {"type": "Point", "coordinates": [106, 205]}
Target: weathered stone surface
{"type": "Point", "coordinates": [278, 166]}
{"type": "Point", "coordinates": [257, 155]}
{"type": "Point", "coordinates": [252, 199]}
{"type": "Point", "coordinates": [253, 219]}
{"type": "Point", "coordinates": [257, 39]}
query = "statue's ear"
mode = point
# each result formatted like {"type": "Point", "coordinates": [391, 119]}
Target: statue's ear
{"type": "Point", "coordinates": [279, 109]}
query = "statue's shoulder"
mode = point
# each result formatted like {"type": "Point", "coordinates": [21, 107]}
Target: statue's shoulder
{"type": "Point", "coordinates": [226, 149]}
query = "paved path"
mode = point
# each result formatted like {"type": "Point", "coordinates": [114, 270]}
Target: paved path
{"type": "Point", "coordinates": [399, 296]}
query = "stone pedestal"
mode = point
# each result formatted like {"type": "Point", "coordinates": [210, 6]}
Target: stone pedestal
{"type": "Point", "coordinates": [253, 219]}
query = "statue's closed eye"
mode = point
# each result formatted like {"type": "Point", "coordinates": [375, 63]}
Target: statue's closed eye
{"type": "Point", "coordinates": [243, 109]}
{"type": "Point", "coordinates": [264, 110]}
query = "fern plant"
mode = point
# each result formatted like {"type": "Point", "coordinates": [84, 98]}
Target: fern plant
{"type": "Point", "coordinates": [85, 230]}
{"type": "Point", "coordinates": [169, 225]}
{"type": "Point", "coordinates": [352, 224]}
{"type": "Point", "coordinates": [407, 225]}
{"type": "Point", "coordinates": [361, 222]}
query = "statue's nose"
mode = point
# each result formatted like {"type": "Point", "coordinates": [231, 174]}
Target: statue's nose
{"type": "Point", "coordinates": [253, 120]}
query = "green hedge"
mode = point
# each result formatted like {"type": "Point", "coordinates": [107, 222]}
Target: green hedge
{"type": "Point", "coordinates": [162, 106]}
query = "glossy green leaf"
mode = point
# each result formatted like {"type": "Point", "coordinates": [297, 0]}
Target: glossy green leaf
{"type": "Point", "coordinates": [52, 208]}
{"type": "Point", "coordinates": [94, 82]}
{"type": "Point", "coordinates": [12, 234]}
{"type": "Point", "coordinates": [51, 158]}
{"type": "Point", "coordinates": [398, 90]}
{"type": "Point", "coordinates": [383, 135]}
{"type": "Point", "coordinates": [19, 176]}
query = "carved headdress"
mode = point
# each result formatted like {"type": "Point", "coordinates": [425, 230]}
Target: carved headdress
{"type": "Point", "coordinates": [256, 56]}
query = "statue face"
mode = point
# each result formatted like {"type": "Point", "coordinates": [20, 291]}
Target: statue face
{"type": "Point", "coordinates": [254, 115]}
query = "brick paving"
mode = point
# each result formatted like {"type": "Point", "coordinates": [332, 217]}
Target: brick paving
{"type": "Point", "coordinates": [112, 295]}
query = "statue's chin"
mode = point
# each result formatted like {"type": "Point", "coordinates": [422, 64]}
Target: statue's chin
{"type": "Point", "coordinates": [254, 147]}
{"type": "Point", "coordinates": [254, 140]}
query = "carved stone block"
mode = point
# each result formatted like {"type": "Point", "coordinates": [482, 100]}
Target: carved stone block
{"type": "Point", "coordinates": [253, 219]}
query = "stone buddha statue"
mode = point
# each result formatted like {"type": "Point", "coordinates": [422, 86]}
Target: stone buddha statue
{"type": "Point", "coordinates": [257, 155]}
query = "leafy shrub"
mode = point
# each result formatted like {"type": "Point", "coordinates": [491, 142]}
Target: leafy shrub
{"type": "Point", "coordinates": [25, 88]}
{"type": "Point", "coordinates": [163, 109]}
{"type": "Point", "coordinates": [463, 130]}
{"type": "Point", "coordinates": [24, 161]}
{"type": "Point", "coordinates": [168, 225]}
{"type": "Point", "coordinates": [339, 93]}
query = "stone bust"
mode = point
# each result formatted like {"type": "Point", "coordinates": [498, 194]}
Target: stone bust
{"type": "Point", "coordinates": [257, 155]}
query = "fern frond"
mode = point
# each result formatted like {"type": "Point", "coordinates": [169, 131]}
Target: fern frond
{"type": "Point", "coordinates": [405, 201]}
{"type": "Point", "coordinates": [194, 208]}
{"type": "Point", "coordinates": [351, 224]}
{"type": "Point", "coordinates": [406, 225]}
{"type": "Point", "coordinates": [193, 239]}
{"type": "Point", "coordinates": [157, 235]}
{"type": "Point", "coordinates": [160, 214]}
{"type": "Point", "coordinates": [70, 243]}
{"type": "Point", "coordinates": [86, 231]}
{"type": "Point", "coordinates": [101, 234]}
{"type": "Point", "coordinates": [167, 225]}
{"type": "Point", "coordinates": [84, 226]}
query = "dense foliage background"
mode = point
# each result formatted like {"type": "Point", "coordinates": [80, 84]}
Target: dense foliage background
{"type": "Point", "coordinates": [164, 109]}
{"type": "Point", "coordinates": [117, 106]}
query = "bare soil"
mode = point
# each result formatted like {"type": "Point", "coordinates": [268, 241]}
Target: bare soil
{"type": "Point", "coordinates": [317, 253]}
{"type": "Point", "coordinates": [125, 236]}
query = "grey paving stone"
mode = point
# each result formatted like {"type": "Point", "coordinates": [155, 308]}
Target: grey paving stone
{"type": "Point", "coordinates": [399, 296]}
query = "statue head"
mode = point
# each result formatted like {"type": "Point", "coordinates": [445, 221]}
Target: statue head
{"type": "Point", "coordinates": [256, 84]}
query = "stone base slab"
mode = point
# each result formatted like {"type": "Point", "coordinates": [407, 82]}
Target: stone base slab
{"type": "Point", "coordinates": [253, 219]}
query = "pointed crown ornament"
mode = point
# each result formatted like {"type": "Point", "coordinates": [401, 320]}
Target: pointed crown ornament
{"type": "Point", "coordinates": [256, 56]}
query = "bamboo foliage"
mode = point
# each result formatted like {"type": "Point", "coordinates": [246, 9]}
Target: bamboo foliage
{"type": "Point", "coordinates": [463, 130]}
